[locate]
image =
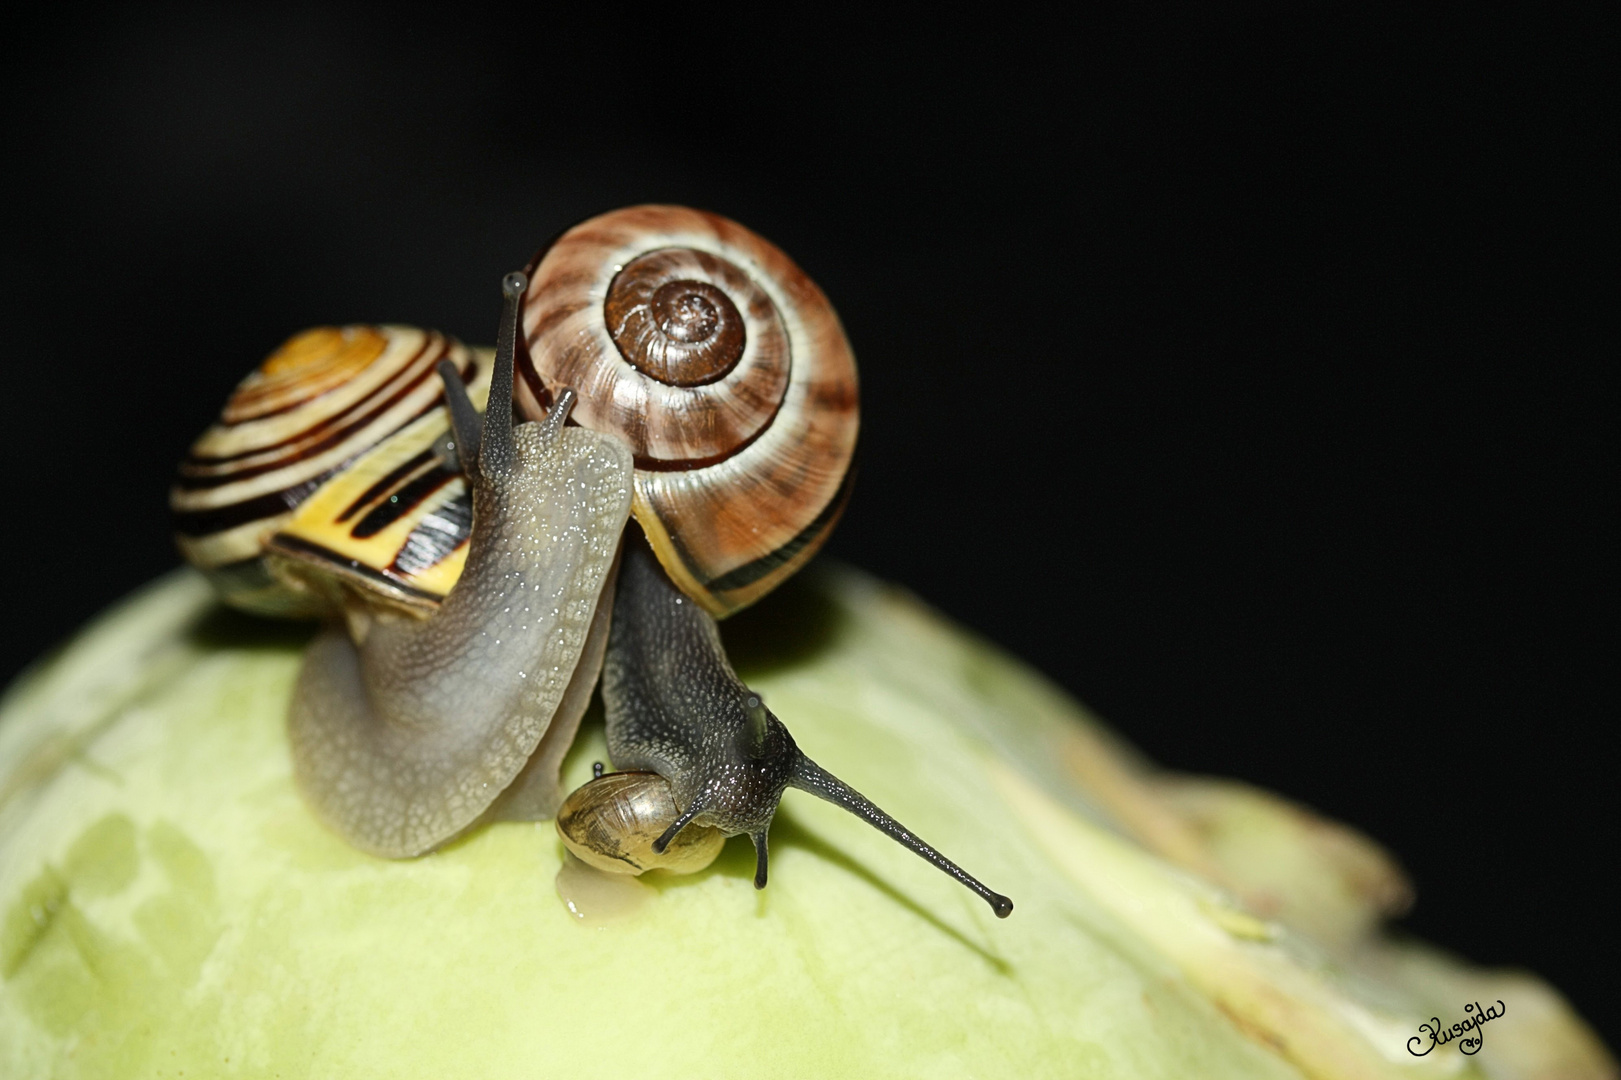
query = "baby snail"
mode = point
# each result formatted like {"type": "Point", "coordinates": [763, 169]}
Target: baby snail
{"type": "Point", "coordinates": [477, 572]}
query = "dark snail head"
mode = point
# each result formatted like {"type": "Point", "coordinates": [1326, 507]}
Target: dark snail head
{"type": "Point", "coordinates": [676, 708]}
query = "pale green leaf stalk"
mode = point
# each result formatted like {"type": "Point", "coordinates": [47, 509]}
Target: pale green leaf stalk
{"type": "Point", "coordinates": [169, 907]}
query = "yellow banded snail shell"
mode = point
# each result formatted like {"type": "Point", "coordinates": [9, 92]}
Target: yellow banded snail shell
{"type": "Point", "coordinates": [723, 407]}
{"type": "Point", "coordinates": [326, 454]}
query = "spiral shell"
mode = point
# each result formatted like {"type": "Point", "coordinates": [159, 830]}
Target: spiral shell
{"type": "Point", "coordinates": [326, 453]}
{"type": "Point", "coordinates": [726, 370]}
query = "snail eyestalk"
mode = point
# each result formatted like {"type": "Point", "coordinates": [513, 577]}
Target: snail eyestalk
{"type": "Point", "coordinates": [558, 415]}
{"type": "Point", "coordinates": [811, 777]}
{"type": "Point", "coordinates": [495, 452]}
{"type": "Point", "coordinates": [465, 423]}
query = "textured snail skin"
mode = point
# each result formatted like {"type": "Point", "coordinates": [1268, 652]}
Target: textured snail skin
{"type": "Point", "coordinates": [401, 742]}
{"type": "Point", "coordinates": [676, 708]}
{"type": "Point", "coordinates": [536, 792]}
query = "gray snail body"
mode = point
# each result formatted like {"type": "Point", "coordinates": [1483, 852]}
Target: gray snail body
{"type": "Point", "coordinates": [421, 715]}
{"type": "Point", "coordinates": [404, 738]}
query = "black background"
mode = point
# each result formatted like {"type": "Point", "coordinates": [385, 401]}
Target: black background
{"type": "Point", "coordinates": [1247, 370]}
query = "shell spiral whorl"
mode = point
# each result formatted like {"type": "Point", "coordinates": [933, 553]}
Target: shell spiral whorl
{"type": "Point", "coordinates": [680, 330]}
{"type": "Point", "coordinates": [724, 368]}
{"type": "Point", "coordinates": [676, 350]}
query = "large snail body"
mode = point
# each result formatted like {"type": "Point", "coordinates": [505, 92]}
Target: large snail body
{"type": "Point", "coordinates": [473, 562]}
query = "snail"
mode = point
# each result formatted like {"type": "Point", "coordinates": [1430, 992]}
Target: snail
{"type": "Point", "coordinates": [478, 572]}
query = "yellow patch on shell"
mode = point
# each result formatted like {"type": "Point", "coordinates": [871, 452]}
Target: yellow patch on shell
{"type": "Point", "coordinates": [305, 366]}
{"type": "Point", "coordinates": [328, 536]}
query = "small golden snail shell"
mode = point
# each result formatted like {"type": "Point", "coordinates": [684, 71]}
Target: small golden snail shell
{"type": "Point", "coordinates": [293, 431]}
{"type": "Point", "coordinates": [611, 824]}
{"type": "Point", "coordinates": [726, 370]}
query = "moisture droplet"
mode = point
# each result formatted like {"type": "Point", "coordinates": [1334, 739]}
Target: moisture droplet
{"type": "Point", "coordinates": [595, 898]}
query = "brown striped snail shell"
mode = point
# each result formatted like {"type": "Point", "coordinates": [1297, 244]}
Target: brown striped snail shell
{"type": "Point", "coordinates": [327, 463]}
{"type": "Point", "coordinates": [724, 368]}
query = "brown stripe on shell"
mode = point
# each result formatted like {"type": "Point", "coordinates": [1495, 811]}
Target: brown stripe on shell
{"type": "Point", "coordinates": [403, 501]}
{"type": "Point", "coordinates": [779, 563]}
{"type": "Point", "coordinates": [218, 519]}
{"type": "Point", "coordinates": [296, 459]}
{"type": "Point", "coordinates": [249, 472]}
{"type": "Point", "coordinates": [301, 559]}
{"type": "Point", "coordinates": [436, 536]}
{"type": "Point", "coordinates": [410, 532]}
{"type": "Point", "coordinates": [305, 366]}
{"type": "Point", "coordinates": [231, 440]}
{"type": "Point", "coordinates": [324, 422]}
{"type": "Point", "coordinates": [342, 437]}
{"type": "Point", "coordinates": [377, 490]}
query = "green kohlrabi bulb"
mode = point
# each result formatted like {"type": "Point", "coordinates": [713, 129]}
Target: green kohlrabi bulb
{"type": "Point", "coordinates": [169, 907]}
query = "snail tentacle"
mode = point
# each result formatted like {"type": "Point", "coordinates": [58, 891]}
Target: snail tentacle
{"type": "Point", "coordinates": [465, 423]}
{"type": "Point", "coordinates": [495, 447]}
{"type": "Point", "coordinates": [759, 840]}
{"type": "Point", "coordinates": [695, 808]}
{"type": "Point", "coordinates": [811, 777]}
{"type": "Point", "coordinates": [553, 424]}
